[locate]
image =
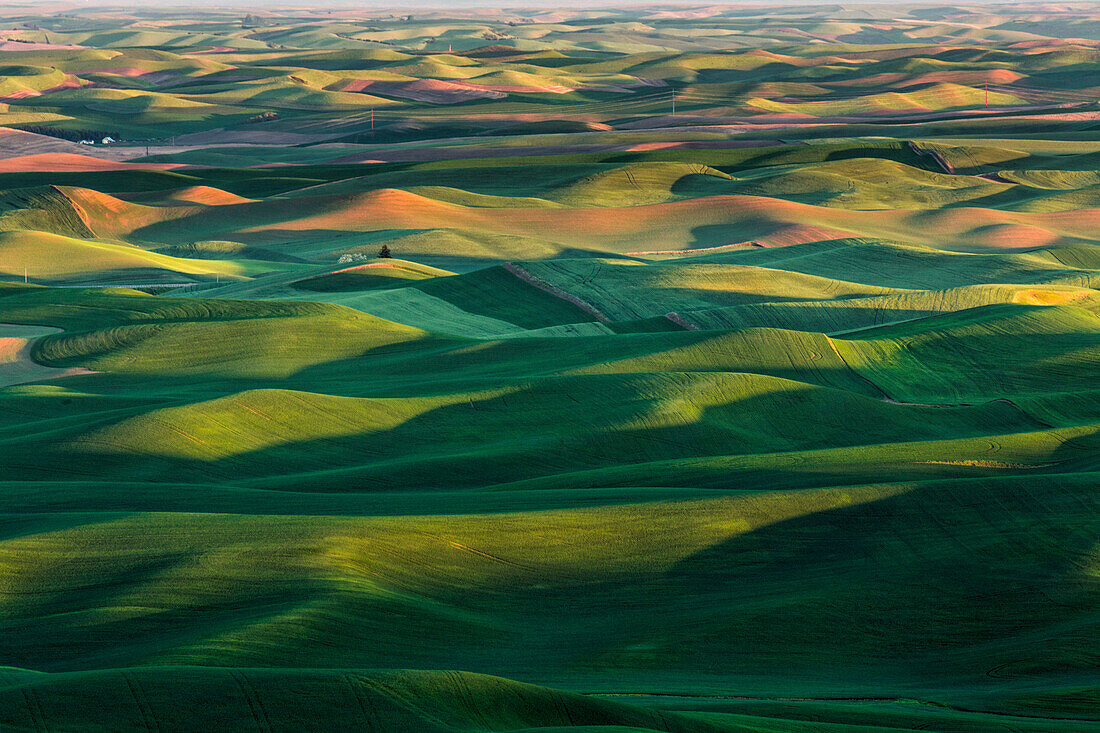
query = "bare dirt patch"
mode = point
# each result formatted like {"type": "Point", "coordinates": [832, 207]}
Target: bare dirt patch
{"type": "Point", "coordinates": [70, 162]}
{"type": "Point", "coordinates": [16, 365]}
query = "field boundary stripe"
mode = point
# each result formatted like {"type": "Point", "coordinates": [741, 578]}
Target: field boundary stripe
{"type": "Point", "coordinates": [546, 287]}
{"type": "Point", "coordinates": [844, 361]}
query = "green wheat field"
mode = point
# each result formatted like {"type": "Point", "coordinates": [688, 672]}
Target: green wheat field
{"type": "Point", "coordinates": [735, 369]}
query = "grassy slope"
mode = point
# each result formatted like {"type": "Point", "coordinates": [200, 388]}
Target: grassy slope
{"type": "Point", "coordinates": [745, 415]}
{"type": "Point", "coordinates": [721, 469]}
{"type": "Point", "coordinates": [176, 697]}
{"type": "Point", "coordinates": [375, 701]}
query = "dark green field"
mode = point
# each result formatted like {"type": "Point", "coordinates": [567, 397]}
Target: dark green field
{"type": "Point", "coordinates": [736, 369]}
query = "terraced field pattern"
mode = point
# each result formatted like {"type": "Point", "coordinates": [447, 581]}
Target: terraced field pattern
{"type": "Point", "coordinates": [736, 369]}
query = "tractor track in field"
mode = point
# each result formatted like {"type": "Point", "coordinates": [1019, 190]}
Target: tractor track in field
{"type": "Point", "coordinates": [489, 556]}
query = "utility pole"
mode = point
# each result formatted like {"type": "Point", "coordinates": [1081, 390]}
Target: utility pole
{"type": "Point", "coordinates": [987, 94]}
{"type": "Point", "coordinates": [673, 102]}
{"type": "Point", "coordinates": [25, 280]}
{"type": "Point", "coordinates": [372, 119]}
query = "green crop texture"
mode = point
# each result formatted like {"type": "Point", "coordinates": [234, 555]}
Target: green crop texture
{"type": "Point", "coordinates": [726, 369]}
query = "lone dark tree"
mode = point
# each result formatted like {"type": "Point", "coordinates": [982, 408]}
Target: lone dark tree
{"type": "Point", "coordinates": [384, 252]}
